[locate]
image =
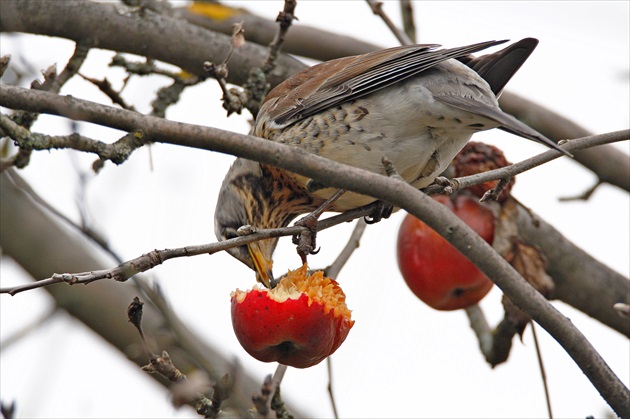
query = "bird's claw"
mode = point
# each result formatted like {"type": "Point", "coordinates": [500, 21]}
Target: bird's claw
{"type": "Point", "coordinates": [306, 240]}
{"type": "Point", "coordinates": [382, 210]}
{"type": "Point", "coordinates": [448, 185]}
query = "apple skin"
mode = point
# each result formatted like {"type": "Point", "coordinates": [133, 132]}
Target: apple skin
{"type": "Point", "coordinates": [435, 271]}
{"type": "Point", "coordinates": [298, 329]}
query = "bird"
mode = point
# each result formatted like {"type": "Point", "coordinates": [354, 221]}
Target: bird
{"type": "Point", "coordinates": [415, 105]}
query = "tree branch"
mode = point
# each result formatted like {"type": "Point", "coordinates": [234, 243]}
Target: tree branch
{"type": "Point", "coordinates": [117, 28]}
{"type": "Point", "coordinates": [99, 306]}
{"type": "Point", "coordinates": [342, 176]}
{"type": "Point", "coordinates": [188, 46]}
{"type": "Point", "coordinates": [609, 164]}
{"type": "Point", "coordinates": [305, 40]}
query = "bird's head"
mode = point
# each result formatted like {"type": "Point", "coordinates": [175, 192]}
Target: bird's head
{"type": "Point", "coordinates": [251, 195]}
{"type": "Point", "coordinates": [239, 205]}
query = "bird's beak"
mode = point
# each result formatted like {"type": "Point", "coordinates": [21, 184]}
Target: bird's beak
{"type": "Point", "coordinates": [263, 265]}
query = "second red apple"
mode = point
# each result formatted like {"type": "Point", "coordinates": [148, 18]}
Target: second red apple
{"type": "Point", "coordinates": [435, 271]}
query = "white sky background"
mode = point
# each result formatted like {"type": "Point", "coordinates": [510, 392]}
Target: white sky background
{"type": "Point", "coordinates": [401, 359]}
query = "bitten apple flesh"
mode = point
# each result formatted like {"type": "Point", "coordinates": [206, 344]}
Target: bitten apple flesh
{"type": "Point", "coordinates": [435, 271]}
{"type": "Point", "coordinates": [299, 323]}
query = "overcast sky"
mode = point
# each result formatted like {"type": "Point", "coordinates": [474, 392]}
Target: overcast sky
{"type": "Point", "coordinates": [401, 359]}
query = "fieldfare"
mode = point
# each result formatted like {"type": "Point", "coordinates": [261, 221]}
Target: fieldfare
{"type": "Point", "coordinates": [415, 105]}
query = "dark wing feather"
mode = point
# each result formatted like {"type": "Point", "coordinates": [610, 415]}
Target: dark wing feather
{"type": "Point", "coordinates": [498, 68]}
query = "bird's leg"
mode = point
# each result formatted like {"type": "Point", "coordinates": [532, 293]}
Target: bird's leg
{"type": "Point", "coordinates": [306, 241]}
{"type": "Point", "coordinates": [382, 210]}
{"type": "Point", "coordinates": [448, 185]}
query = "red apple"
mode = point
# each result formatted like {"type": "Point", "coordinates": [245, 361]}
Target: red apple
{"type": "Point", "coordinates": [298, 323]}
{"type": "Point", "coordinates": [435, 270]}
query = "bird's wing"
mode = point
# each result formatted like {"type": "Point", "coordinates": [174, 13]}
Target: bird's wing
{"type": "Point", "coordinates": [307, 93]}
{"type": "Point", "coordinates": [506, 121]}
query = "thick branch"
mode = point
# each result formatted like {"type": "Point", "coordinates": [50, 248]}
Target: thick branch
{"type": "Point", "coordinates": [342, 176]}
{"type": "Point", "coordinates": [305, 40]}
{"type": "Point", "coordinates": [577, 276]}
{"type": "Point", "coordinates": [177, 42]}
{"type": "Point", "coordinates": [117, 28]}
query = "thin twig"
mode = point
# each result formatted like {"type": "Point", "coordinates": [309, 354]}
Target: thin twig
{"type": "Point", "coordinates": [532, 162]}
{"type": "Point", "coordinates": [284, 19]}
{"type": "Point", "coordinates": [377, 9]}
{"type": "Point", "coordinates": [278, 376]}
{"type": "Point", "coordinates": [409, 24]}
{"type": "Point", "coordinates": [184, 389]}
{"type": "Point", "coordinates": [117, 152]}
{"type": "Point", "coordinates": [480, 326]}
{"type": "Point", "coordinates": [331, 393]}
{"type": "Point", "coordinates": [149, 260]}
{"type": "Point", "coordinates": [353, 243]}
{"type": "Point", "coordinates": [106, 88]}
{"type": "Point", "coordinates": [543, 375]}
{"type": "Point", "coordinates": [53, 83]}
{"type": "Point", "coordinates": [233, 99]}
{"type": "Point", "coordinates": [584, 196]}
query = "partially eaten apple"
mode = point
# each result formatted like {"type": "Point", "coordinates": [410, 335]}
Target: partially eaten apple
{"type": "Point", "coordinates": [299, 323]}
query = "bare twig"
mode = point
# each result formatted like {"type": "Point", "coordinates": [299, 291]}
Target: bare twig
{"type": "Point", "coordinates": [117, 152]}
{"type": "Point", "coordinates": [53, 82]}
{"type": "Point", "coordinates": [233, 99]}
{"type": "Point", "coordinates": [353, 243]}
{"type": "Point", "coordinates": [278, 376]}
{"type": "Point", "coordinates": [584, 196]}
{"type": "Point", "coordinates": [377, 9]}
{"type": "Point", "coordinates": [142, 263]}
{"type": "Point", "coordinates": [331, 393]}
{"type": "Point", "coordinates": [184, 390]}
{"type": "Point", "coordinates": [106, 87]}
{"type": "Point", "coordinates": [257, 84]}
{"type": "Point", "coordinates": [284, 19]}
{"type": "Point", "coordinates": [409, 24]}
{"type": "Point", "coordinates": [540, 159]}
{"type": "Point", "coordinates": [269, 397]}
{"type": "Point", "coordinates": [543, 375]}
{"type": "Point", "coordinates": [495, 345]}
{"type": "Point", "coordinates": [480, 326]}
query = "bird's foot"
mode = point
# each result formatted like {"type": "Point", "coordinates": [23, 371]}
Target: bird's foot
{"type": "Point", "coordinates": [448, 185]}
{"type": "Point", "coordinates": [306, 240]}
{"type": "Point", "coordinates": [382, 210]}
